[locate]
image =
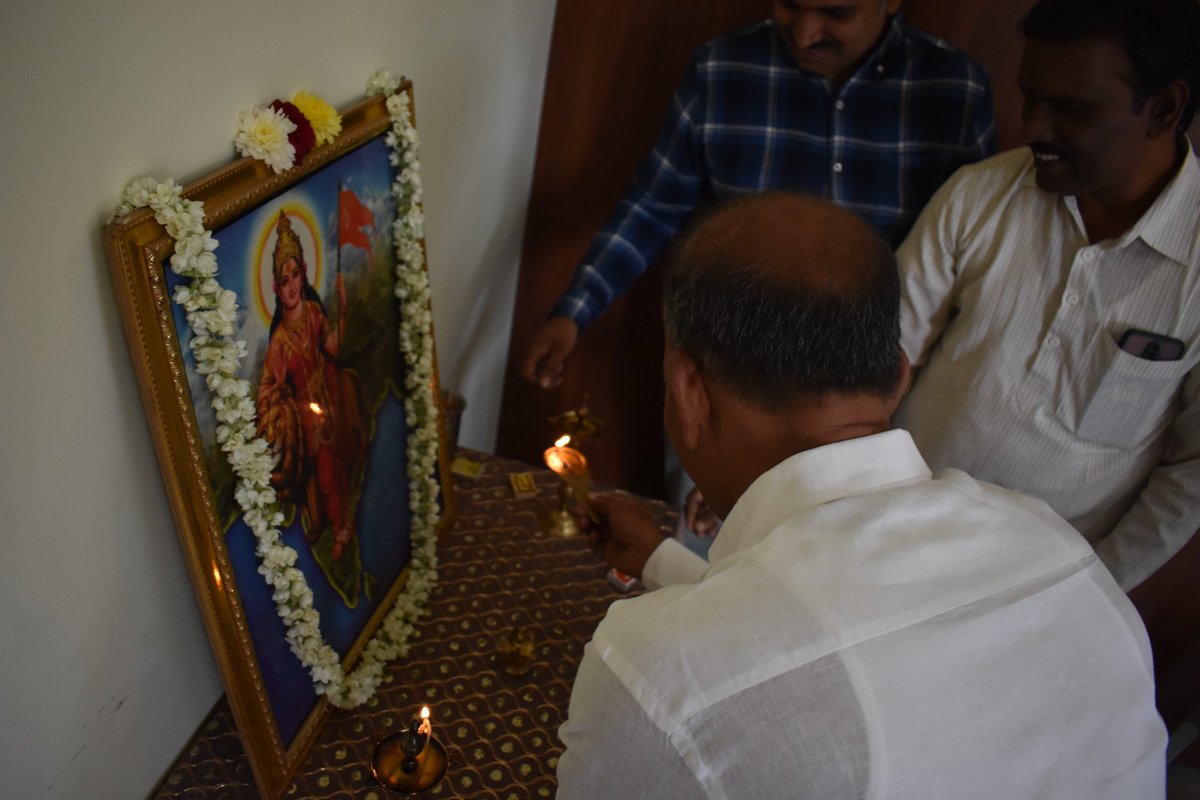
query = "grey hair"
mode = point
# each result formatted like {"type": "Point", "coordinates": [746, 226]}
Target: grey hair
{"type": "Point", "coordinates": [772, 341]}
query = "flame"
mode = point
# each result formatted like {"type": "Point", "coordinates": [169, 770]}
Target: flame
{"type": "Point", "coordinates": [316, 409]}
{"type": "Point", "coordinates": [562, 441]}
{"type": "Point", "coordinates": [426, 727]}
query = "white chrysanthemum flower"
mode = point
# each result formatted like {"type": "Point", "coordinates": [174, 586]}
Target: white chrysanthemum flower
{"type": "Point", "coordinates": [262, 133]}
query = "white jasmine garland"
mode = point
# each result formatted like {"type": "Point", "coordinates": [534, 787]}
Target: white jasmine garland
{"type": "Point", "coordinates": [381, 82]}
{"type": "Point", "coordinates": [212, 314]}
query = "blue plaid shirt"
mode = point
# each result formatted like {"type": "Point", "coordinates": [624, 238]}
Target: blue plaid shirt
{"type": "Point", "coordinates": [745, 118]}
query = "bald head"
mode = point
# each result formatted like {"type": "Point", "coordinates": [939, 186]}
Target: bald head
{"type": "Point", "coordinates": [780, 297]}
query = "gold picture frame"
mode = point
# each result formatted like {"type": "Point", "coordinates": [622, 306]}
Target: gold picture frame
{"type": "Point", "coordinates": [357, 567]}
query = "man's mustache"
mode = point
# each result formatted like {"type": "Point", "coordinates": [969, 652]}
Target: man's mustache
{"type": "Point", "coordinates": [817, 47]}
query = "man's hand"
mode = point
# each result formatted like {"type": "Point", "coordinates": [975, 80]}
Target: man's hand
{"type": "Point", "coordinates": [547, 350]}
{"type": "Point", "coordinates": [627, 533]}
{"type": "Point", "coordinates": [699, 517]}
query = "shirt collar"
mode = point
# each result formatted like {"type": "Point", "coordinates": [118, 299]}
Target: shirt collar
{"type": "Point", "coordinates": [1168, 225]}
{"type": "Point", "coordinates": [887, 54]}
{"type": "Point", "coordinates": [815, 477]}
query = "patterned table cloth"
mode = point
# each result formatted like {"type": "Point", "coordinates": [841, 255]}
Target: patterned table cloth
{"type": "Point", "coordinates": [497, 571]}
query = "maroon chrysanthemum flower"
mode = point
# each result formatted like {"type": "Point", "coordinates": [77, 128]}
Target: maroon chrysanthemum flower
{"type": "Point", "coordinates": [303, 138]}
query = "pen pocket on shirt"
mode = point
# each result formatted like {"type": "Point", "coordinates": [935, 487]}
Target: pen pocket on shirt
{"type": "Point", "coordinates": [1129, 397]}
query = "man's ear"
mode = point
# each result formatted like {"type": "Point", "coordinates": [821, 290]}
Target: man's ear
{"type": "Point", "coordinates": [904, 379]}
{"type": "Point", "coordinates": [687, 392]}
{"type": "Point", "coordinates": [904, 382]}
{"type": "Point", "coordinates": [1166, 108]}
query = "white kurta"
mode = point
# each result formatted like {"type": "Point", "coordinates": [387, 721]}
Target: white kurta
{"type": "Point", "coordinates": [867, 630]}
{"type": "Point", "coordinates": [1014, 321]}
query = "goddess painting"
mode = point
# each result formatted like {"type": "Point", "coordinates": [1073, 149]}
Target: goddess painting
{"type": "Point", "coordinates": [309, 409]}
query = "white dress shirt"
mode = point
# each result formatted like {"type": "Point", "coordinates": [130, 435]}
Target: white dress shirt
{"type": "Point", "coordinates": [1014, 320]}
{"type": "Point", "coordinates": [867, 630]}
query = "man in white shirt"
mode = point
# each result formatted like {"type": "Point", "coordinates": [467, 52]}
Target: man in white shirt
{"type": "Point", "coordinates": [1052, 293]}
{"type": "Point", "coordinates": [866, 629]}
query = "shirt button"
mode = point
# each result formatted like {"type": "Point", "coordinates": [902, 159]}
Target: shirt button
{"type": "Point", "coordinates": [839, 105]}
{"type": "Point", "coordinates": [1088, 255]}
{"type": "Point", "coordinates": [1072, 298]}
{"type": "Point", "coordinates": [1052, 342]}
{"type": "Point", "coordinates": [837, 166]}
{"type": "Point", "coordinates": [879, 67]}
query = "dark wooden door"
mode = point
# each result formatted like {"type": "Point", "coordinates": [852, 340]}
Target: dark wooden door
{"type": "Point", "coordinates": [613, 67]}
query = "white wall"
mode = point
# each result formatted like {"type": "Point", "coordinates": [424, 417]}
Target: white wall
{"type": "Point", "coordinates": [105, 671]}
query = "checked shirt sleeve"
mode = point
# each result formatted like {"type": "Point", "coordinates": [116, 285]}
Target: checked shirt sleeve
{"type": "Point", "coordinates": [663, 196]}
{"type": "Point", "coordinates": [980, 134]}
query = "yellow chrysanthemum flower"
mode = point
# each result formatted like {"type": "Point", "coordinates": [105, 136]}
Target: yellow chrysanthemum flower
{"type": "Point", "coordinates": [325, 120]}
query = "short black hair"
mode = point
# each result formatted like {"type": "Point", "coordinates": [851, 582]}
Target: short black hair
{"type": "Point", "coordinates": [774, 341]}
{"type": "Point", "coordinates": [1161, 38]}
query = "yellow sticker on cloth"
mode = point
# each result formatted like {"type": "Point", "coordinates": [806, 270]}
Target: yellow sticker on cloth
{"type": "Point", "coordinates": [466, 467]}
{"type": "Point", "coordinates": [523, 484]}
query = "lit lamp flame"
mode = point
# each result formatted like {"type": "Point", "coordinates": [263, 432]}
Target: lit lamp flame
{"type": "Point", "coordinates": [426, 726]}
{"type": "Point", "coordinates": [410, 761]}
{"type": "Point", "coordinates": [316, 409]}
{"type": "Point", "coordinates": [567, 462]}
{"type": "Point", "coordinates": [571, 465]}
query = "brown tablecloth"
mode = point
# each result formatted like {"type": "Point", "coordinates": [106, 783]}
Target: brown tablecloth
{"type": "Point", "coordinates": [497, 570]}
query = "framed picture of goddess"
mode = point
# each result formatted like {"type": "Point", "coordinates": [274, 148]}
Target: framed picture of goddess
{"type": "Point", "coordinates": [292, 398]}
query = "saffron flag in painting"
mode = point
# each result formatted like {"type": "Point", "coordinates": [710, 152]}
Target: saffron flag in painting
{"type": "Point", "coordinates": [353, 218]}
